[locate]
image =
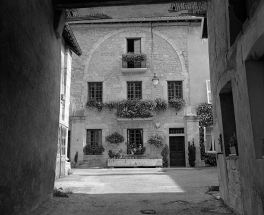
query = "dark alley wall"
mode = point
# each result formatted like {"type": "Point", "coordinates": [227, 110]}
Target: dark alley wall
{"type": "Point", "coordinates": [29, 104]}
{"type": "Point", "coordinates": [228, 64]}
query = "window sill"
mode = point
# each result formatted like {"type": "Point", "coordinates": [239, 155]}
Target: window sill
{"type": "Point", "coordinates": [134, 119]}
{"type": "Point", "coordinates": [134, 70]}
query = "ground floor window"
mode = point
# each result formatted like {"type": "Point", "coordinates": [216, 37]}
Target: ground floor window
{"type": "Point", "coordinates": [62, 140]}
{"type": "Point", "coordinates": [93, 141]}
{"type": "Point", "coordinates": [134, 139]}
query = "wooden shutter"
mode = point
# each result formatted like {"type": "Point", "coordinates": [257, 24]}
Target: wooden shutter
{"type": "Point", "coordinates": [137, 46]}
{"type": "Point", "coordinates": [208, 90]}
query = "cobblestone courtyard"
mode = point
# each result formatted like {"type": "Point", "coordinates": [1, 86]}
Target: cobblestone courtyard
{"type": "Point", "coordinates": [136, 191]}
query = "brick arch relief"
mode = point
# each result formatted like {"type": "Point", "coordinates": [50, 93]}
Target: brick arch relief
{"type": "Point", "coordinates": [167, 39]}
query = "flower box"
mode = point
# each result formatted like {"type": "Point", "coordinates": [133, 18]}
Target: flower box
{"type": "Point", "coordinates": [134, 162]}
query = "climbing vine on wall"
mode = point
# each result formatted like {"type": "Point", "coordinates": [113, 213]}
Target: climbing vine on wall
{"type": "Point", "coordinates": [204, 110]}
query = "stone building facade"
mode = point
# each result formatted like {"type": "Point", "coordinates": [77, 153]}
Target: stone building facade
{"type": "Point", "coordinates": [69, 46]}
{"type": "Point", "coordinates": [175, 52]}
{"type": "Point", "coordinates": [236, 50]}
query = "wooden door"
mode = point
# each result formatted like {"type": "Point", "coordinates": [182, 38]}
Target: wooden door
{"type": "Point", "coordinates": [177, 151]}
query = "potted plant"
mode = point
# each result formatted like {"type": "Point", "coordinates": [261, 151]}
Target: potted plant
{"type": "Point", "coordinates": [164, 153]}
{"type": "Point", "coordinates": [191, 153]}
{"type": "Point", "coordinates": [177, 103]}
{"type": "Point", "coordinates": [156, 140]}
{"type": "Point", "coordinates": [114, 138]}
{"type": "Point", "coordinates": [233, 145]}
{"type": "Point", "coordinates": [134, 150]}
{"type": "Point", "coordinates": [114, 155]}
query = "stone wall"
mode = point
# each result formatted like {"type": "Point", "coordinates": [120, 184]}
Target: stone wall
{"type": "Point", "coordinates": [228, 64]}
{"type": "Point", "coordinates": [234, 184]}
{"type": "Point", "coordinates": [166, 46]}
{"type": "Point", "coordinates": [29, 107]}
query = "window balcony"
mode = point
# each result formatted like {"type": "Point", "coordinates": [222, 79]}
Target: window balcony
{"type": "Point", "coordinates": [134, 62]}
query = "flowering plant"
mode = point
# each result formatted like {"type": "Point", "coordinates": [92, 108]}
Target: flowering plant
{"type": "Point", "coordinates": [133, 149]}
{"type": "Point", "coordinates": [136, 109]}
{"type": "Point", "coordinates": [233, 140]}
{"type": "Point", "coordinates": [161, 104]}
{"type": "Point", "coordinates": [93, 103]}
{"type": "Point", "coordinates": [132, 57]}
{"type": "Point", "coordinates": [156, 139]}
{"type": "Point", "coordinates": [114, 138]}
{"type": "Point", "coordinates": [177, 103]}
{"type": "Point", "coordinates": [115, 155]}
{"type": "Point", "coordinates": [93, 149]}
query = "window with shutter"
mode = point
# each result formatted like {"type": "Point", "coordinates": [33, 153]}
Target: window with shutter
{"type": "Point", "coordinates": [134, 45]}
{"type": "Point", "coordinates": [208, 90]}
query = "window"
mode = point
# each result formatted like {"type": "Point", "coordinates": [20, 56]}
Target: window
{"type": "Point", "coordinates": [135, 136]}
{"type": "Point", "coordinates": [95, 91]}
{"type": "Point", "coordinates": [174, 89]}
{"type": "Point", "coordinates": [134, 90]}
{"type": "Point", "coordinates": [62, 140]}
{"type": "Point", "coordinates": [134, 45]}
{"type": "Point", "coordinates": [176, 131]}
{"type": "Point", "coordinates": [94, 137]}
{"type": "Point", "coordinates": [208, 90]}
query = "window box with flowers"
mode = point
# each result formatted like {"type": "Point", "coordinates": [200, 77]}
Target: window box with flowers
{"type": "Point", "coordinates": [177, 103]}
{"type": "Point", "coordinates": [134, 62]}
{"type": "Point", "coordinates": [93, 150]}
{"type": "Point", "coordinates": [135, 150]}
{"type": "Point", "coordinates": [136, 109]}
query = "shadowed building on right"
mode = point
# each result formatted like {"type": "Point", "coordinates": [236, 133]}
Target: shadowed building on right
{"type": "Point", "coordinates": [236, 56]}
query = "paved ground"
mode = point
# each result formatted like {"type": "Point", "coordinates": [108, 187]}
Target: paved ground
{"type": "Point", "coordinates": [134, 191]}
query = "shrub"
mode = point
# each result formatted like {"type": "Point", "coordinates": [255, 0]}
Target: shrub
{"type": "Point", "coordinates": [161, 104]}
{"type": "Point", "coordinates": [191, 153]}
{"type": "Point", "coordinates": [210, 159]}
{"type": "Point", "coordinates": [95, 104]}
{"type": "Point", "coordinates": [115, 138]}
{"type": "Point", "coordinates": [164, 153]}
{"type": "Point", "coordinates": [177, 103]}
{"type": "Point", "coordinates": [156, 140]}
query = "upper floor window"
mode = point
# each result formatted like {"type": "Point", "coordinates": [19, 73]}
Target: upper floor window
{"type": "Point", "coordinates": [134, 45]}
{"type": "Point", "coordinates": [95, 91]}
{"type": "Point", "coordinates": [134, 90]}
{"type": "Point", "coordinates": [174, 89]}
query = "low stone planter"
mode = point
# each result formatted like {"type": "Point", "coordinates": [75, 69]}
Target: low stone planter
{"type": "Point", "coordinates": [134, 162]}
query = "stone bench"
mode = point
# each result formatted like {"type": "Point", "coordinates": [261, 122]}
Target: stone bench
{"type": "Point", "coordinates": [134, 162]}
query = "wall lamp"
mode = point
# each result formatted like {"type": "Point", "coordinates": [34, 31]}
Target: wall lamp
{"type": "Point", "coordinates": [155, 80]}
